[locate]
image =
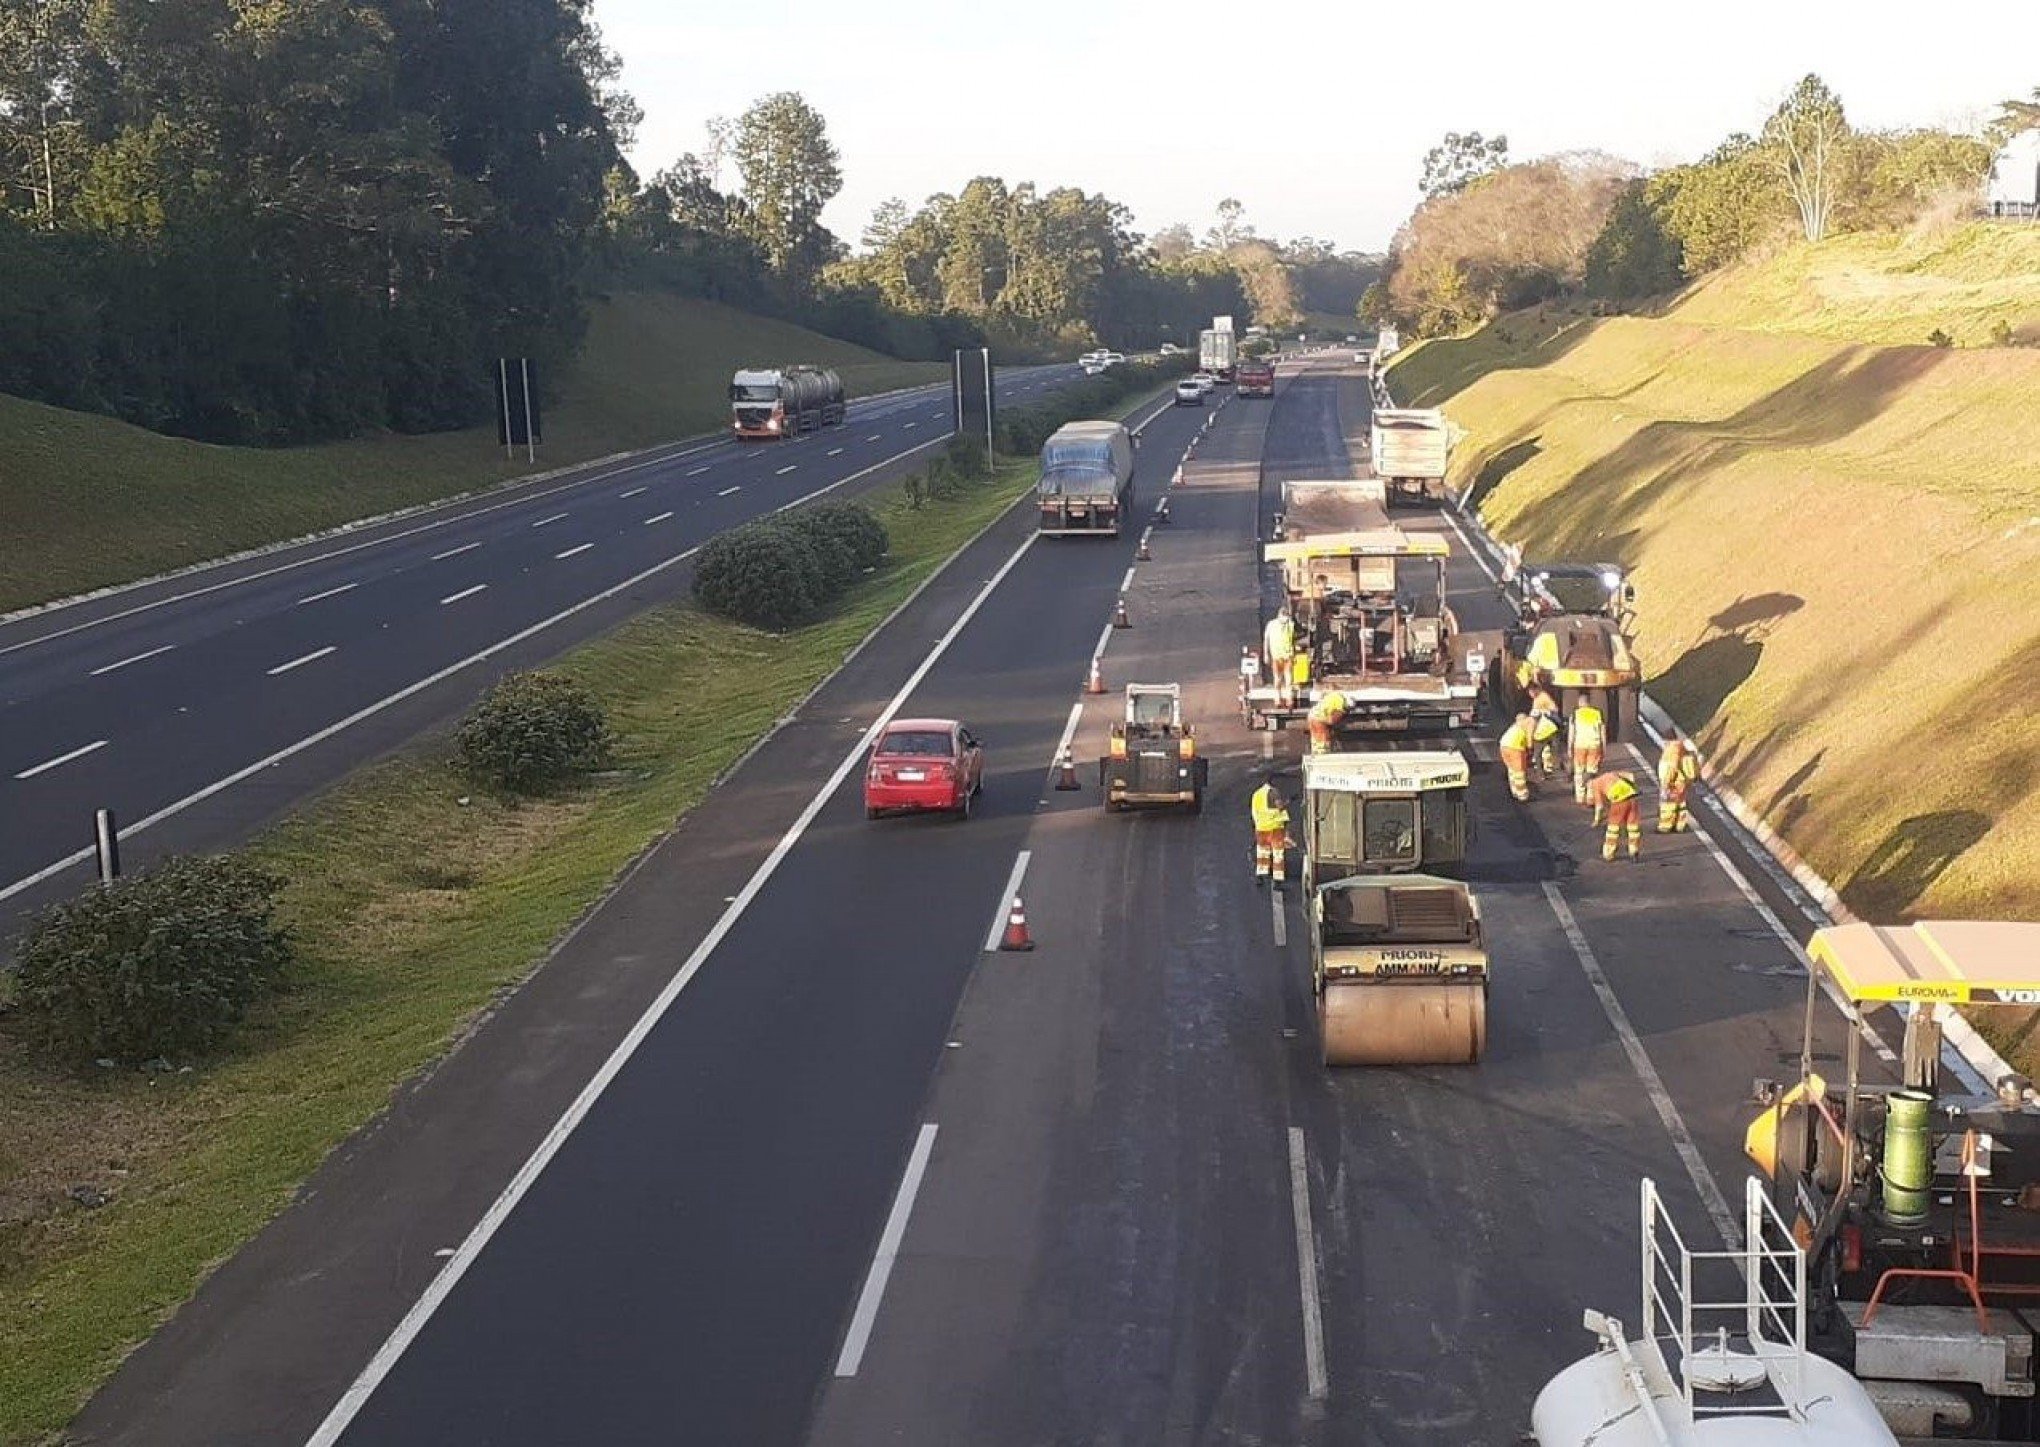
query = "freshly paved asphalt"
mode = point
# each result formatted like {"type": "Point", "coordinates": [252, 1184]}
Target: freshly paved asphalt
{"type": "Point", "coordinates": [1103, 1246]}
{"type": "Point", "coordinates": [143, 698]}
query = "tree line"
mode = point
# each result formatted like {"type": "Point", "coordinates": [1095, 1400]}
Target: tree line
{"type": "Point", "coordinates": [1491, 236]}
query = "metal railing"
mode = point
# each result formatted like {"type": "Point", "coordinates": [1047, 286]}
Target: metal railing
{"type": "Point", "coordinates": [1738, 1306]}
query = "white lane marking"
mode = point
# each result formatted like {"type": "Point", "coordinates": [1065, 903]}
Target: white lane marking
{"type": "Point", "coordinates": [1280, 917]}
{"type": "Point", "coordinates": [786, 469]}
{"type": "Point", "coordinates": [61, 759]}
{"type": "Point", "coordinates": [873, 437]}
{"type": "Point", "coordinates": [547, 521]}
{"type": "Point", "coordinates": [998, 930]}
{"type": "Point", "coordinates": [1104, 637]}
{"type": "Point", "coordinates": [1127, 581]}
{"type": "Point", "coordinates": [454, 552]}
{"type": "Point", "coordinates": [888, 1252]}
{"type": "Point", "coordinates": [137, 658]}
{"type": "Point", "coordinates": [313, 657]}
{"type": "Point", "coordinates": [634, 492]}
{"type": "Point", "coordinates": [1653, 1084]}
{"type": "Point", "coordinates": [835, 452]}
{"type": "Point", "coordinates": [329, 593]}
{"type": "Point", "coordinates": [1069, 732]}
{"type": "Point", "coordinates": [441, 1286]}
{"type": "Point", "coordinates": [657, 517]}
{"type": "Point", "coordinates": [1306, 1270]}
{"type": "Point", "coordinates": [910, 426]}
{"type": "Point", "coordinates": [570, 552]}
{"type": "Point", "coordinates": [696, 472]}
{"type": "Point", "coordinates": [463, 593]}
{"type": "Point", "coordinates": [728, 490]}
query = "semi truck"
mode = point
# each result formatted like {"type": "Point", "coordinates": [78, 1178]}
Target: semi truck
{"type": "Point", "coordinates": [785, 401]}
{"type": "Point", "coordinates": [1410, 447]}
{"type": "Point", "coordinates": [1217, 353]}
{"type": "Point", "coordinates": [1086, 478]}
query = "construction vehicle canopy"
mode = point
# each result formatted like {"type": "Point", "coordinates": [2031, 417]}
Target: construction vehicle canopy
{"type": "Point", "coordinates": [1383, 813]}
{"type": "Point", "coordinates": [1152, 756]}
{"type": "Point", "coordinates": [1985, 962]}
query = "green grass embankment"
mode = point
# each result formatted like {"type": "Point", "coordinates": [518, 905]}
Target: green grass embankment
{"type": "Point", "coordinates": [87, 502]}
{"type": "Point", "coordinates": [1836, 543]}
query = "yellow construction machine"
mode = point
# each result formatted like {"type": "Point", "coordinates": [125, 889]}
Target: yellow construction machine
{"type": "Point", "coordinates": [1573, 636]}
{"type": "Point", "coordinates": [1398, 957]}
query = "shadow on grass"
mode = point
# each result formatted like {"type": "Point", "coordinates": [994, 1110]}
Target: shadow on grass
{"type": "Point", "coordinates": [1747, 615]}
{"type": "Point", "coordinates": [1497, 468]}
{"type": "Point", "coordinates": [1914, 855]}
{"type": "Point", "coordinates": [1517, 341]}
{"type": "Point", "coordinates": [1693, 689]}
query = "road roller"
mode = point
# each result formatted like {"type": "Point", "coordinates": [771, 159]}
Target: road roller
{"type": "Point", "coordinates": [1918, 1197]}
{"type": "Point", "coordinates": [1573, 635]}
{"type": "Point", "coordinates": [1399, 961]}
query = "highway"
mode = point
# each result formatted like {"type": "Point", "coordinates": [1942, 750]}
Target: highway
{"type": "Point", "coordinates": [852, 1177]}
{"type": "Point", "coordinates": [201, 705]}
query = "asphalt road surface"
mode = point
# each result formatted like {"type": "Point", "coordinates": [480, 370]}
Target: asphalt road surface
{"type": "Point", "coordinates": [200, 705]}
{"type": "Point", "coordinates": [862, 1180]}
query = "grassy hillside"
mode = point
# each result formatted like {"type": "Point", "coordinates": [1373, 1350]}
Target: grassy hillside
{"type": "Point", "coordinates": [86, 501]}
{"type": "Point", "coordinates": [1837, 543]}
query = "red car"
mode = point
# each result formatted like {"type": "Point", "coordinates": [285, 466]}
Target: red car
{"type": "Point", "coordinates": [923, 763]}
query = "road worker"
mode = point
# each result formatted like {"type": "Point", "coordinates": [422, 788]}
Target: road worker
{"type": "Point", "coordinates": [1614, 798]}
{"type": "Point", "coordinates": [1278, 641]}
{"type": "Point", "coordinates": [1299, 674]}
{"type": "Point", "coordinates": [1271, 834]}
{"type": "Point", "coordinates": [1544, 709]}
{"type": "Point", "coordinates": [1324, 720]}
{"type": "Point", "coordinates": [1515, 749]}
{"type": "Point", "coordinates": [1678, 767]}
{"type": "Point", "coordinates": [1589, 735]}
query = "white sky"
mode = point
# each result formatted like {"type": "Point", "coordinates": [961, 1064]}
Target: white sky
{"type": "Point", "coordinates": [1108, 95]}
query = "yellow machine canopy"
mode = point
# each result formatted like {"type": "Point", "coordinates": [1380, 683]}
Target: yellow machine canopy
{"type": "Point", "coordinates": [1984, 962]}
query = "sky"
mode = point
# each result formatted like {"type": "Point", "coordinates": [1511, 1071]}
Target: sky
{"type": "Point", "coordinates": [1162, 106]}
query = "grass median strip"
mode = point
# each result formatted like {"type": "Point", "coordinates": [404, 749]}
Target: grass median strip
{"type": "Point", "coordinates": [412, 911]}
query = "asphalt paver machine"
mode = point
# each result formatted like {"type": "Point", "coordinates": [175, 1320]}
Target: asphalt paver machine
{"type": "Point", "coordinates": [1918, 1203]}
{"type": "Point", "coordinates": [1151, 760]}
{"type": "Point", "coordinates": [1398, 956]}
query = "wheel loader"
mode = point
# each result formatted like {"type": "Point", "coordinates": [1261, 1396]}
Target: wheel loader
{"type": "Point", "coordinates": [1398, 955]}
{"type": "Point", "coordinates": [1152, 759]}
{"type": "Point", "coordinates": [1573, 636]}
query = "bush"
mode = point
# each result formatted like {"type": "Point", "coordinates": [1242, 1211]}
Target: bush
{"type": "Point", "coordinates": [532, 729]}
{"type": "Point", "coordinates": [854, 526]}
{"type": "Point", "coordinates": [160, 964]}
{"type": "Point", "coordinates": [1939, 338]}
{"type": "Point", "coordinates": [2001, 333]}
{"type": "Point", "coordinates": [765, 574]}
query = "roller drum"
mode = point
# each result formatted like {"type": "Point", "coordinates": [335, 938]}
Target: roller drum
{"type": "Point", "coordinates": [1403, 1024]}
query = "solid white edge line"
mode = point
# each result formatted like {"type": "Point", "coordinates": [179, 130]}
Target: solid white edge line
{"type": "Point", "coordinates": [1653, 1084]}
{"type": "Point", "coordinates": [998, 930]}
{"type": "Point", "coordinates": [463, 593]}
{"type": "Point", "coordinates": [454, 552]}
{"type": "Point", "coordinates": [547, 521]}
{"type": "Point", "coordinates": [313, 657]}
{"type": "Point", "coordinates": [1314, 1374]}
{"type": "Point", "coordinates": [60, 760]}
{"type": "Point", "coordinates": [456, 1266]}
{"type": "Point", "coordinates": [329, 593]}
{"type": "Point", "coordinates": [137, 658]}
{"type": "Point", "coordinates": [657, 517]}
{"type": "Point", "coordinates": [570, 552]}
{"type": "Point", "coordinates": [176, 807]}
{"type": "Point", "coordinates": [888, 1252]}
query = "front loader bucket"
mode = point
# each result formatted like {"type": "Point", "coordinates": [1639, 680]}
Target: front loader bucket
{"type": "Point", "coordinates": [1367, 1023]}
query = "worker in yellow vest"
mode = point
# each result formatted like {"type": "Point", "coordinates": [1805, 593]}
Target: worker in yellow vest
{"type": "Point", "coordinates": [1324, 720]}
{"type": "Point", "coordinates": [1299, 674]}
{"type": "Point", "coordinates": [1545, 708]}
{"type": "Point", "coordinates": [1615, 798]}
{"type": "Point", "coordinates": [1278, 641]}
{"type": "Point", "coordinates": [1515, 750]}
{"type": "Point", "coordinates": [1589, 737]}
{"type": "Point", "coordinates": [1271, 834]}
{"type": "Point", "coordinates": [1678, 767]}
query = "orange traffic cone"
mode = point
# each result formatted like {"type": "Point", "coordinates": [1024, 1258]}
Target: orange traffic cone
{"type": "Point", "coordinates": [1119, 618]}
{"type": "Point", "coordinates": [1067, 777]}
{"type": "Point", "coordinates": [1096, 682]}
{"type": "Point", "coordinates": [1016, 937]}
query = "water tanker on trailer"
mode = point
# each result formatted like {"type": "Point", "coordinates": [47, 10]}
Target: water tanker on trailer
{"type": "Point", "coordinates": [785, 401]}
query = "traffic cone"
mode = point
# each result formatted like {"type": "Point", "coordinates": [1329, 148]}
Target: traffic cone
{"type": "Point", "coordinates": [1067, 777]}
{"type": "Point", "coordinates": [1119, 618]}
{"type": "Point", "coordinates": [1096, 682]}
{"type": "Point", "coordinates": [1016, 937]}
{"type": "Point", "coordinates": [1142, 555]}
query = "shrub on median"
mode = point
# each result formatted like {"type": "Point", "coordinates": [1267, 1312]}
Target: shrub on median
{"type": "Point", "coordinates": [530, 730]}
{"type": "Point", "coordinates": [159, 964]}
{"type": "Point", "coordinates": [785, 571]}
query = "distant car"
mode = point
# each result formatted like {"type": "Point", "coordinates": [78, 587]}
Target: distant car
{"type": "Point", "coordinates": [1204, 380]}
{"type": "Point", "coordinates": [1169, 349]}
{"type": "Point", "coordinates": [1092, 369]}
{"type": "Point", "coordinates": [1113, 359]}
{"type": "Point", "coordinates": [1189, 393]}
{"type": "Point", "coordinates": [921, 765]}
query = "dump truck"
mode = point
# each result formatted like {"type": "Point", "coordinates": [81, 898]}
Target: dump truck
{"type": "Point", "coordinates": [1151, 760]}
{"type": "Point", "coordinates": [1217, 353]}
{"type": "Point", "coordinates": [1086, 479]}
{"type": "Point", "coordinates": [1917, 1199]}
{"type": "Point", "coordinates": [1410, 446]}
{"type": "Point", "coordinates": [1371, 619]}
{"type": "Point", "coordinates": [1399, 960]}
{"type": "Point", "coordinates": [786, 401]}
{"type": "Point", "coordinates": [1572, 636]}
{"type": "Point", "coordinates": [1256, 377]}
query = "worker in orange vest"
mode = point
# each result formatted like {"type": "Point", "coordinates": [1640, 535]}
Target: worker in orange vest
{"type": "Point", "coordinates": [1324, 720]}
{"type": "Point", "coordinates": [1589, 737]}
{"type": "Point", "coordinates": [1271, 834]}
{"type": "Point", "coordinates": [1678, 767]}
{"type": "Point", "coordinates": [1544, 707]}
{"type": "Point", "coordinates": [1615, 798]}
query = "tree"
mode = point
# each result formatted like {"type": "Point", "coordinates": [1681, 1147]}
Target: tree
{"type": "Point", "coordinates": [1232, 227]}
{"type": "Point", "coordinates": [1720, 206]}
{"type": "Point", "coordinates": [1172, 243]}
{"type": "Point", "coordinates": [1633, 256]}
{"type": "Point", "coordinates": [42, 43]}
{"type": "Point", "coordinates": [888, 219]}
{"type": "Point", "coordinates": [790, 173]}
{"type": "Point", "coordinates": [1806, 144]}
{"type": "Point", "coordinates": [1459, 160]}
{"type": "Point", "coordinates": [2016, 117]}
